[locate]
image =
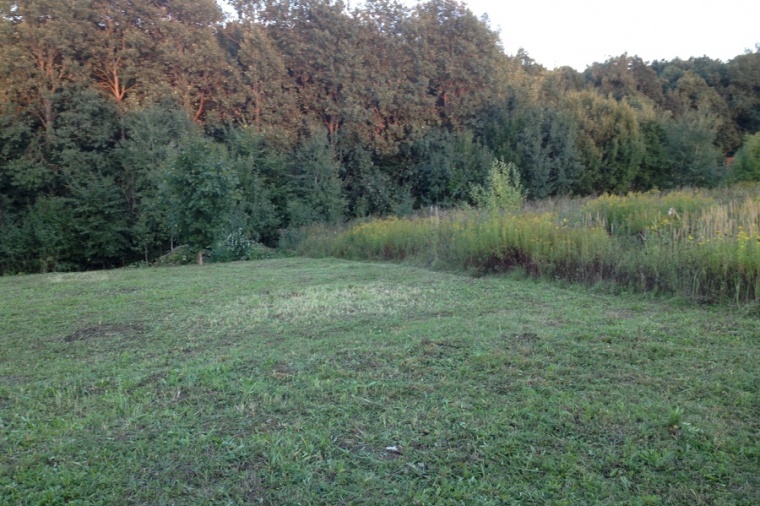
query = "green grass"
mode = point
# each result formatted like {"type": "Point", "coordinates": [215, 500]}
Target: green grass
{"type": "Point", "coordinates": [284, 381]}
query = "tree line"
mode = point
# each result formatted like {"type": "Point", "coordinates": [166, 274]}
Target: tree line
{"type": "Point", "coordinates": [130, 126]}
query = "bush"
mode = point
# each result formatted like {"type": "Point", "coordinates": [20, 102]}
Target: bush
{"type": "Point", "coordinates": [504, 189]}
{"type": "Point", "coordinates": [181, 255]}
{"type": "Point", "coordinates": [746, 166]}
{"type": "Point", "coordinates": [236, 246]}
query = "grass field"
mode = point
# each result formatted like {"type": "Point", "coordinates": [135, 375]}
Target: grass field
{"type": "Point", "coordinates": [297, 381]}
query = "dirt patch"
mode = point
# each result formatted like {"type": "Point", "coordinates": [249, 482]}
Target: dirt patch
{"type": "Point", "coordinates": [526, 337]}
{"type": "Point", "coordinates": [351, 445]}
{"type": "Point", "coordinates": [441, 348]}
{"type": "Point", "coordinates": [283, 371]}
{"type": "Point", "coordinates": [106, 331]}
{"type": "Point", "coordinates": [154, 379]}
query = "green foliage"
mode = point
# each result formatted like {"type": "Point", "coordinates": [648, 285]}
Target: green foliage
{"type": "Point", "coordinates": [746, 166]}
{"type": "Point", "coordinates": [86, 132]}
{"type": "Point", "coordinates": [655, 166]}
{"type": "Point", "coordinates": [636, 213]}
{"type": "Point", "coordinates": [99, 214]}
{"type": "Point", "coordinates": [328, 113]}
{"type": "Point", "coordinates": [503, 190]}
{"type": "Point", "coordinates": [550, 155]}
{"type": "Point", "coordinates": [541, 139]}
{"type": "Point", "coordinates": [624, 77]}
{"type": "Point", "coordinates": [48, 232]}
{"type": "Point", "coordinates": [688, 243]}
{"type": "Point", "coordinates": [368, 190]}
{"type": "Point", "coordinates": [315, 183]}
{"type": "Point", "coordinates": [694, 158]}
{"type": "Point", "coordinates": [445, 166]}
{"type": "Point", "coordinates": [236, 246]}
{"type": "Point", "coordinates": [144, 153]}
{"type": "Point", "coordinates": [743, 81]}
{"type": "Point", "coordinates": [201, 190]}
{"type": "Point", "coordinates": [181, 255]}
{"type": "Point", "coordinates": [263, 188]}
{"type": "Point", "coordinates": [21, 176]}
{"type": "Point", "coordinates": [610, 143]}
{"type": "Point", "coordinates": [40, 241]}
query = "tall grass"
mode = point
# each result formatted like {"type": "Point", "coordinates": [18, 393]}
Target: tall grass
{"type": "Point", "coordinates": [636, 212]}
{"type": "Point", "coordinates": [702, 245]}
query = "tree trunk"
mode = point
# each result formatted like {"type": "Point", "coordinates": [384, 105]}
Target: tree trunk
{"type": "Point", "coordinates": [200, 257]}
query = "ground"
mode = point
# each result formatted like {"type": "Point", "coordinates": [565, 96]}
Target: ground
{"type": "Point", "coordinates": [297, 381]}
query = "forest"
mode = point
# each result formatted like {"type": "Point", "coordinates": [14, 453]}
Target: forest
{"type": "Point", "coordinates": [129, 127]}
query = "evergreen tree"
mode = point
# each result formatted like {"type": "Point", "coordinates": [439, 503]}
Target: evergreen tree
{"type": "Point", "coordinates": [151, 138]}
{"type": "Point", "coordinates": [443, 166]}
{"type": "Point", "coordinates": [609, 141]}
{"type": "Point", "coordinates": [315, 185]}
{"type": "Point", "coordinates": [694, 158]}
{"type": "Point", "coordinates": [260, 212]}
{"type": "Point", "coordinates": [459, 58]}
{"type": "Point", "coordinates": [268, 104]}
{"type": "Point", "coordinates": [99, 222]}
{"type": "Point", "coordinates": [743, 92]}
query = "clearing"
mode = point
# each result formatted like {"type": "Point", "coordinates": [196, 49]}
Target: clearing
{"type": "Point", "coordinates": [300, 381]}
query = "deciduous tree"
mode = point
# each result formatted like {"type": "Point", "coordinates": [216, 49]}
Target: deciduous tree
{"type": "Point", "coordinates": [201, 191]}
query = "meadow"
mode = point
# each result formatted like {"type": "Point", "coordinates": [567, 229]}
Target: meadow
{"type": "Point", "coordinates": [701, 244]}
{"type": "Point", "coordinates": [327, 381]}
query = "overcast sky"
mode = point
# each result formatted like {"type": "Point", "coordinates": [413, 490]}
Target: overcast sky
{"type": "Point", "coordinates": [579, 32]}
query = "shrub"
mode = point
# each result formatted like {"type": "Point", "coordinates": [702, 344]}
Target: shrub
{"type": "Point", "coordinates": [236, 246]}
{"type": "Point", "coordinates": [503, 191]}
{"type": "Point", "coordinates": [746, 166]}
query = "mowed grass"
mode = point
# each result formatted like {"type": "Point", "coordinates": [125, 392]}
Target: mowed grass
{"type": "Point", "coordinates": [291, 381]}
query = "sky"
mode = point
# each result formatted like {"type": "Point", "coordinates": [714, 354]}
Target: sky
{"type": "Point", "coordinates": [578, 33]}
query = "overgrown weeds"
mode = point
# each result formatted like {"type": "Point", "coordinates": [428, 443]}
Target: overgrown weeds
{"type": "Point", "coordinates": [703, 245]}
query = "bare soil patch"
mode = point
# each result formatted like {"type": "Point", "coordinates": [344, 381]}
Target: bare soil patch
{"type": "Point", "coordinates": [106, 331]}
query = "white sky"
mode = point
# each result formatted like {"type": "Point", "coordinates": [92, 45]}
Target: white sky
{"type": "Point", "coordinates": [580, 32]}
